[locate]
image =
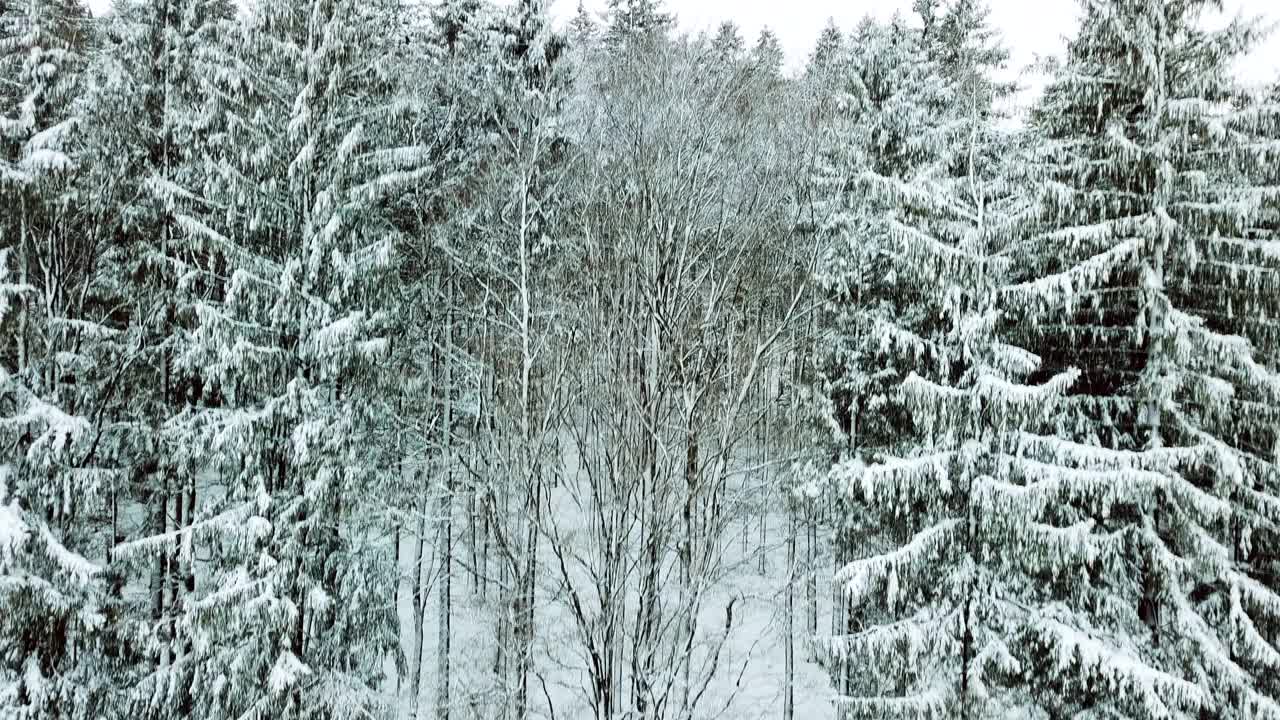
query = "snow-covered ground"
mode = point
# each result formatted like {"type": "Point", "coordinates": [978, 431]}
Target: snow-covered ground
{"type": "Point", "coordinates": [749, 682]}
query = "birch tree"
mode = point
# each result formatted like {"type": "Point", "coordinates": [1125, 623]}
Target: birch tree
{"type": "Point", "coordinates": [663, 409]}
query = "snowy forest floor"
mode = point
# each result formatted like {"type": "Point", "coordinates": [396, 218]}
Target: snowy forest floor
{"type": "Point", "coordinates": [749, 681]}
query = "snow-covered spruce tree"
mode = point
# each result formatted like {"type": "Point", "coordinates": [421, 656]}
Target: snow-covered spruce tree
{"type": "Point", "coordinates": [727, 45]}
{"type": "Point", "coordinates": [961, 548]}
{"type": "Point", "coordinates": [149, 113]}
{"type": "Point", "coordinates": [961, 541]}
{"type": "Point", "coordinates": [876, 111]}
{"type": "Point", "coordinates": [582, 30]}
{"type": "Point", "coordinates": [41, 59]}
{"type": "Point", "coordinates": [60, 354]}
{"type": "Point", "coordinates": [829, 50]}
{"type": "Point", "coordinates": [881, 116]}
{"type": "Point", "coordinates": [767, 55]}
{"type": "Point", "coordinates": [294, 618]}
{"type": "Point", "coordinates": [1152, 278]}
{"type": "Point", "coordinates": [60, 654]}
{"type": "Point", "coordinates": [1263, 331]}
{"type": "Point", "coordinates": [636, 21]}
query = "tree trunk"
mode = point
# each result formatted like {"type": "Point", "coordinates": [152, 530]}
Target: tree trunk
{"type": "Point", "coordinates": [524, 615]}
{"type": "Point", "coordinates": [502, 632]}
{"type": "Point", "coordinates": [159, 515]}
{"type": "Point", "coordinates": [486, 538]}
{"type": "Point", "coordinates": [176, 579]}
{"type": "Point", "coordinates": [445, 534]}
{"type": "Point", "coordinates": [763, 454]}
{"type": "Point", "coordinates": [445, 609]}
{"type": "Point", "coordinates": [763, 543]}
{"type": "Point", "coordinates": [691, 553]}
{"type": "Point", "coordinates": [530, 468]}
{"type": "Point", "coordinates": [472, 505]}
{"type": "Point", "coordinates": [766, 489]}
{"type": "Point", "coordinates": [788, 698]}
{"type": "Point", "coordinates": [24, 277]}
{"type": "Point", "coordinates": [811, 570]}
{"type": "Point", "coordinates": [190, 580]}
{"type": "Point", "coordinates": [839, 616]}
{"type": "Point", "coordinates": [115, 522]}
{"type": "Point", "coordinates": [421, 585]}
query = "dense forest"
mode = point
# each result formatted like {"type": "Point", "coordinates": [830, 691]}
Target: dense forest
{"type": "Point", "coordinates": [394, 359]}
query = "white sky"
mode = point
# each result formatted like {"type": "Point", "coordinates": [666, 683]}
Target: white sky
{"type": "Point", "coordinates": [1029, 27]}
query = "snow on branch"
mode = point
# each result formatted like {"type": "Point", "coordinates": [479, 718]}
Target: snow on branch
{"type": "Point", "coordinates": [1232, 465]}
{"type": "Point", "coordinates": [896, 193]}
{"type": "Point", "coordinates": [1057, 451]}
{"type": "Point", "coordinates": [1013, 359]}
{"type": "Point", "coordinates": [388, 184]}
{"type": "Point", "coordinates": [1060, 549]}
{"type": "Point", "coordinates": [1121, 148]}
{"type": "Point", "coordinates": [405, 156]}
{"type": "Point", "coordinates": [13, 530]}
{"type": "Point", "coordinates": [197, 229]}
{"type": "Point", "coordinates": [52, 137]}
{"type": "Point", "coordinates": [287, 672]}
{"type": "Point", "coordinates": [893, 479]}
{"type": "Point", "coordinates": [1099, 490]}
{"type": "Point", "coordinates": [994, 656]}
{"type": "Point", "coordinates": [9, 290]}
{"type": "Point", "coordinates": [1100, 234]}
{"type": "Point", "coordinates": [1256, 646]}
{"type": "Point", "coordinates": [87, 328]}
{"type": "Point", "coordinates": [337, 335]}
{"type": "Point", "coordinates": [10, 174]}
{"type": "Point", "coordinates": [1124, 673]}
{"type": "Point", "coordinates": [1025, 399]}
{"type": "Point", "coordinates": [58, 429]}
{"type": "Point", "coordinates": [350, 144]}
{"type": "Point", "coordinates": [861, 577]}
{"type": "Point", "coordinates": [992, 400]}
{"type": "Point", "coordinates": [927, 705]}
{"type": "Point", "coordinates": [1209, 508]}
{"type": "Point", "coordinates": [1256, 596]}
{"type": "Point", "coordinates": [44, 160]}
{"type": "Point", "coordinates": [1232, 350]}
{"type": "Point", "coordinates": [904, 641]}
{"type": "Point", "coordinates": [933, 405]}
{"type": "Point", "coordinates": [167, 191]}
{"type": "Point", "coordinates": [1257, 250]}
{"type": "Point", "coordinates": [933, 258]}
{"type": "Point", "coordinates": [235, 521]}
{"type": "Point", "coordinates": [72, 563]}
{"type": "Point", "coordinates": [1065, 288]}
{"type": "Point", "coordinates": [899, 340]}
{"type": "Point", "coordinates": [374, 256]}
{"type": "Point", "coordinates": [239, 598]}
